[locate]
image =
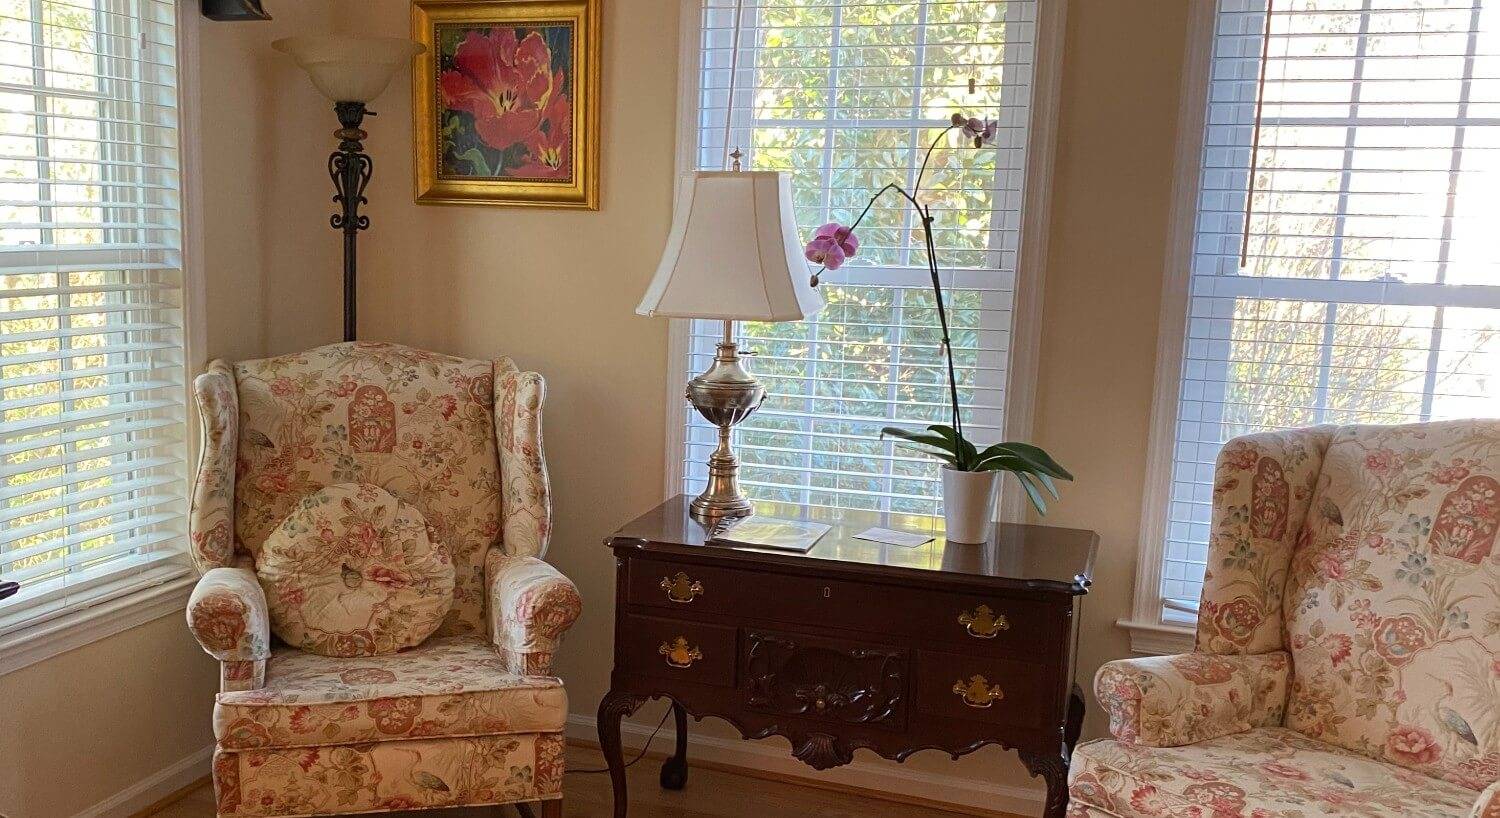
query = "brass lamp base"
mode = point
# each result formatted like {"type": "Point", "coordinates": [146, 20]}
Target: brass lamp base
{"type": "Point", "coordinates": [724, 395]}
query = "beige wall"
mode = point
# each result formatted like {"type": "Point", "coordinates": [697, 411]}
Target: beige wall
{"type": "Point", "coordinates": [1111, 200]}
{"type": "Point", "coordinates": [80, 727]}
{"type": "Point", "coordinates": [557, 290]}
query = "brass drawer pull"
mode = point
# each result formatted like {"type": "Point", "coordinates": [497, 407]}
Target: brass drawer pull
{"type": "Point", "coordinates": [680, 588]}
{"type": "Point", "coordinates": [978, 692]}
{"type": "Point", "coordinates": [679, 654]}
{"type": "Point", "coordinates": [983, 623]}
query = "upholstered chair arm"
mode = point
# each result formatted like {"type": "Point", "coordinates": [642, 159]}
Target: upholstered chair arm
{"type": "Point", "coordinates": [1488, 803]}
{"type": "Point", "coordinates": [525, 492]}
{"type": "Point", "coordinates": [227, 614]}
{"type": "Point", "coordinates": [531, 605]}
{"type": "Point", "coordinates": [1169, 701]}
{"type": "Point", "coordinates": [211, 521]}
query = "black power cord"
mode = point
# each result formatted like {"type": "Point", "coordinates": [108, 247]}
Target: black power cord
{"type": "Point", "coordinates": [638, 756]}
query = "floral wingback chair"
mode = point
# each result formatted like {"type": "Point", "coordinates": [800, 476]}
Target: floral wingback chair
{"type": "Point", "coordinates": [1348, 648]}
{"type": "Point", "coordinates": [471, 715]}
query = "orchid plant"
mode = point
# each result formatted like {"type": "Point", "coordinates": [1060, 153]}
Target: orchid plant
{"type": "Point", "coordinates": [833, 244]}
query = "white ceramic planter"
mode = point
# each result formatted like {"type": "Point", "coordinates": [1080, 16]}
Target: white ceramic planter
{"type": "Point", "coordinates": [969, 503]}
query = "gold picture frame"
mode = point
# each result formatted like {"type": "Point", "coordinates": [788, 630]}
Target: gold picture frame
{"type": "Point", "coordinates": [505, 102]}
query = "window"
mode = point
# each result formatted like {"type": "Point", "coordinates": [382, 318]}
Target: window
{"type": "Point", "coordinates": [92, 416]}
{"type": "Point", "coordinates": [846, 95]}
{"type": "Point", "coordinates": [1345, 266]}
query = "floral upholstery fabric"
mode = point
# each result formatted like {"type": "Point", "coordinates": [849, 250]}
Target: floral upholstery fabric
{"type": "Point", "coordinates": [419, 424]}
{"type": "Point", "coordinates": [1488, 803]}
{"type": "Point", "coordinates": [227, 614]}
{"type": "Point", "coordinates": [388, 776]}
{"type": "Point", "coordinates": [449, 686]}
{"type": "Point", "coordinates": [1393, 602]}
{"type": "Point", "coordinates": [1168, 701]}
{"type": "Point", "coordinates": [525, 496]}
{"type": "Point", "coordinates": [1368, 553]}
{"type": "Point", "coordinates": [211, 524]}
{"type": "Point", "coordinates": [532, 604]}
{"type": "Point", "coordinates": [351, 571]}
{"type": "Point", "coordinates": [446, 723]}
{"type": "Point", "coordinates": [1264, 773]}
{"type": "Point", "coordinates": [1263, 485]}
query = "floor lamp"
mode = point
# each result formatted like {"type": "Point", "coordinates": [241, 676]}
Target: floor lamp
{"type": "Point", "coordinates": [351, 72]}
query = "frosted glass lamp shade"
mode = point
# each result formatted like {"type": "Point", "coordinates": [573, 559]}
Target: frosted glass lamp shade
{"type": "Point", "coordinates": [733, 252]}
{"type": "Point", "coordinates": [350, 69]}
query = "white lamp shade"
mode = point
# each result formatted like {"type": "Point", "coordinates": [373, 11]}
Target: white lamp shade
{"type": "Point", "coordinates": [733, 252]}
{"type": "Point", "coordinates": [350, 69]}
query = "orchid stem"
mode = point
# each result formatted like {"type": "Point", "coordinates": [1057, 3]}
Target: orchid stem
{"type": "Point", "coordinates": [932, 270]}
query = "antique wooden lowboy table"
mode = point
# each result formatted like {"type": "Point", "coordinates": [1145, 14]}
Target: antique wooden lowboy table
{"type": "Point", "coordinates": [854, 644]}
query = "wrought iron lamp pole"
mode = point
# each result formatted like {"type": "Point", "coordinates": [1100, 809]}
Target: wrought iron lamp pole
{"type": "Point", "coordinates": [350, 168]}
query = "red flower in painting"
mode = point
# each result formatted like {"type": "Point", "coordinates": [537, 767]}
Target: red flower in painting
{"type": "Point", "coordinates": [506, 84]}
{"type": "Point", "coordinates": [551, 145]}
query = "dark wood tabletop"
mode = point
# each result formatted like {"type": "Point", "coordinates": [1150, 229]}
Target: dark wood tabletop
{"type": "Point", "coordinates": [1032, 557]}
{"type": "Point", "coordinates": [854, 644]}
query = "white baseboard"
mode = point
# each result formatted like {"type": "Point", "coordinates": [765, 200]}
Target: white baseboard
{"type": "Point", "coordinates": [148, 791]}
{"type": "Point", "coordinates": [765, 756]}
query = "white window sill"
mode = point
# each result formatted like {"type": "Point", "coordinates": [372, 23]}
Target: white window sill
{"type": "Point", "coordinates": [30, 636]}
{"type": "Point", "coordinates": [1157, 639]}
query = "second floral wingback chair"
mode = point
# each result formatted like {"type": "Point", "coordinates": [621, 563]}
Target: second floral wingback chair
{"type": "Point", "coordinates": [1348, 647]}
{"type": "Point", "coordinates": [470, 716]}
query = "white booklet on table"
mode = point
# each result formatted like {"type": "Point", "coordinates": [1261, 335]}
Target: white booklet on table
{"type": "Point", "coordinates": [769, 532]}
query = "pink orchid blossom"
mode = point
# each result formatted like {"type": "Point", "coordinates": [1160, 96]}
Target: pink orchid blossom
{"type": "Point", "coordinates": [831, 245]}
{"type": "Point", "coordinates": [982, 131]}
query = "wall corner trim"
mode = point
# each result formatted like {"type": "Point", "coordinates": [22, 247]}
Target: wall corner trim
{"type": "Point", "coordinates": [146, 792]}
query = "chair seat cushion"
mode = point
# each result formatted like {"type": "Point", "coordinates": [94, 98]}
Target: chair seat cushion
{"type": "Point", "coordinates": [352, 571]}
{"type": "Point", "coordinates": [1266, 773]}
{"type": "Point", "coordinates": [448, 686]}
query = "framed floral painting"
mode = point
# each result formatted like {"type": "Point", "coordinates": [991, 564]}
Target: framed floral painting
{"type": "Point", "coordinates": [506, 102]}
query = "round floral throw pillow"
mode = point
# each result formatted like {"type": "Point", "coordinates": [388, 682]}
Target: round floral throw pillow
{"type": "Point", "coordinates": [353, 571]}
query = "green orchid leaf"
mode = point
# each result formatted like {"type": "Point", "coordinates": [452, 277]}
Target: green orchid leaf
{"type": "Point", "coordinates": [1047, 483]}
{"type": "Point", "coordinates": [1035, 456]}
{"type": "Point", "coordinates": [924, 438]}
{"type": "Point", "coordinates": [940, 455]}
{"type": "Point", "coordinates": [1034, 494]}
{"type": "Point", "coordinates": [968, 455]}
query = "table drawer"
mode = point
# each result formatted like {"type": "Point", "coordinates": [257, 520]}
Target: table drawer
{"type": "Point", "coordinates": [973, 620]}
{"type": "Point", "coordinates": [676, 649]}
{"type": "Point", "coordinates": [978, 688]}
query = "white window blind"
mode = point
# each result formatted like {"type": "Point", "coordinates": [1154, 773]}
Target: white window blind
{"type": "Point", "coordinates": [92, 426]}
{"type": "Point", "coordinates": [846, 95]}
{"type": "Point", "coordinates": [1370, 286]}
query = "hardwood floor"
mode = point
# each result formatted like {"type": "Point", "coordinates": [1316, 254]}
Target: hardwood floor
{"type": "Point", "coordinates": [710, 793]}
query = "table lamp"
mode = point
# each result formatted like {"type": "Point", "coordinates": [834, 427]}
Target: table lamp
{"type": "Point", "coordinates": [733, 255]}
{"type": "Point", "coordinates": [351, 72]}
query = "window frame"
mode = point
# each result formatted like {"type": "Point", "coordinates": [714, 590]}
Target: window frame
{"type": "Point", "coordinates": [1026, 311]}
{"type": "Point", "coordinates": [116, 606]}
{"type": "Point", "coordinates": [1152, 629]}
{"type": "Point", "coordinates": [1149, 633]}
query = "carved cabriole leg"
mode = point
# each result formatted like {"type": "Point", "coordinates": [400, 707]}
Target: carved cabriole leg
{"type": "Point", "coordinates": [674, 771]}
{"type": "Point", "coordinates": [1054, 770]}
{"type": "Point", "coordinates": [615, 707]}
